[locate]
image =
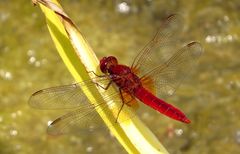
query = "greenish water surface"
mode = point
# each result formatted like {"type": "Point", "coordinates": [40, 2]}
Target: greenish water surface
{"type": "Point", "coordinates": [210, 97]}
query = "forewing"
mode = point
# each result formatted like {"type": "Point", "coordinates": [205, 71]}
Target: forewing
{"type": "Point", "coordinates": [168, 76]}
{"type": "Point", "coordinates": [85, 116]}
{"type": "Point", "coordinates": [66, 96]}
{"type": "Point", "coordinates": [161, 47]}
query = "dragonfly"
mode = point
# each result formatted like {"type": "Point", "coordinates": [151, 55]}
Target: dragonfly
{"type": "Point", "coordinates": [156, 72]}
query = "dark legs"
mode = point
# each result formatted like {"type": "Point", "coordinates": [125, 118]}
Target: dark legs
{"type": "Point", "coordinates": [105, 88]}
{"type": "Point", "coordinates": [120, 91]}
{"type": "Point", "coordinates": [123, 103]}
{"type": "Point", "coordinates": [101, 76]}
{"type": "Point", "coordinates": [104, 75]}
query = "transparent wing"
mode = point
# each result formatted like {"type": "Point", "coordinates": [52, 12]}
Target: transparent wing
{"type": "Point", "coordinates": [168, 76]}
{"type": "Point", "coordinates": [66, 96]}
{"type": "Point", "coordinates": [161, 47]}
{"type": "Point", "coordinates": [85, 116]}
{"type": "Point", "coordinates": [88, 118]}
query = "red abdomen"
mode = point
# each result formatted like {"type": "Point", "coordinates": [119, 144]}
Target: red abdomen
{"type": "Point", "coordinates": [149, 99]}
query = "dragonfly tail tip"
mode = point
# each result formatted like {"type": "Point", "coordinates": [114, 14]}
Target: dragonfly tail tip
{"type": "Point", "coordinates": [186, 120]}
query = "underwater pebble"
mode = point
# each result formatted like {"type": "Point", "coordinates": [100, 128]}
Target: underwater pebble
{"type": "Point", "coordinates": [18, 147]}
{"type": "Point", "coordinates": [19, 112]}
{"type": "Point", "coordinates": [233, 85]}
{"type": "Point", "coordinates": [37, 64]}
{"type": "Point", "coordinates": [6, 75]}
{"type": "Point", "coordinates": [6, 49]}
{"type": "Point", "coordinates": [32, 59]}
{"type": "Point", "coordinates": [220, 38]}
{"type": "Point", "coordinates": [89, 149]}
{"type": "Point", "coordinates": [123, 7]}
{"type": "Point", "coordinates": [13, 115]}
{"type": "Point", "coordinates": [238, 136]}
{"type": "Point", "coordinates": [30, 52]}
{"type": "Point", "coordinates": [4, 16]}
{"type": "Point", "coordinates": [13, 132]}
{"type": "Point", "coordinates": [178, 132]}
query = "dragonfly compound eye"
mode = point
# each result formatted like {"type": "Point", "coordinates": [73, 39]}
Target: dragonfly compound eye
{"type": "Point", "coordinates": [103, 64]}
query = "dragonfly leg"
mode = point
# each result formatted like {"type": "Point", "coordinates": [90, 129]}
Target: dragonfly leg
{"type": "Point", "coordinates": [129, 102]}
{"type": "Point", "coordinates": [97, 74]}
{"type": "Point", "coordinates": [123, 103]}
{"type": "Point", "coordinates": [105, 88]}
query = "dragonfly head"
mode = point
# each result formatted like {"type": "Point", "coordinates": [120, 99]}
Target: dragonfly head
{"type": "Point", "coordinates": [107, 62]}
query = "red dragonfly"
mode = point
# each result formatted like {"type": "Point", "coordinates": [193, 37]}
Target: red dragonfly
{"type": "Point", "coordinates": [155, 73]}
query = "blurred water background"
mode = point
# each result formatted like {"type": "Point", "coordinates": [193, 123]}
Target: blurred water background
{"type": "Point", "coordinates": [210, 97]}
